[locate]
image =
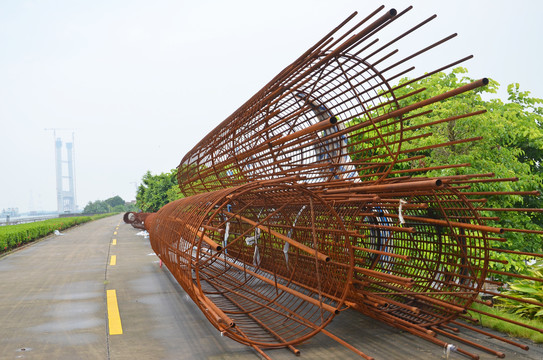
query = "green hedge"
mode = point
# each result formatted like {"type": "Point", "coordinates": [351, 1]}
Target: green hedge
{"type": "Point", "coordinates": [12, 236]}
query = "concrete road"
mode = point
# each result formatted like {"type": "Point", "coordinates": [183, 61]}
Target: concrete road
{"type": "Point", "coordinates": [56, 302]}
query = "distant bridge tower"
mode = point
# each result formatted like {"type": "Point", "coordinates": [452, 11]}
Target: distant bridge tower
{"type": "Point", "coordinates": [65, 169]}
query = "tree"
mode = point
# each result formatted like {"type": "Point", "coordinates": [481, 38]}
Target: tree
{"type": "Point", "coordinates": [512, 145]}
{"type": "Point", "coordinates": [113, 204]}
{"type": "Point", "coordinates": [155, 191]}
{"type": "Point", "coordinates": [96, 207]}
{"type": "Point", "coordinates": [115, 201]}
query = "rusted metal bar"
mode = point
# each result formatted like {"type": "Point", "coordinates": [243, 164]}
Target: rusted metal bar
{"type": "Point", "coordinates": [346, 344]}
{"type": "Point", "coordinates": [403, 257]}
{"type": "Point", "coordinates": [469, 342]}
{"type": "Point", "coordinates": [454, 223]}
{"type": "Point", "coordinates": [486, 333]}
{"type": "Point", "coordinates": [424, 185]}
{"type": "Point", "coordinates": [407, 282]}
{"type": "Point", "coordinates": [507, 320]}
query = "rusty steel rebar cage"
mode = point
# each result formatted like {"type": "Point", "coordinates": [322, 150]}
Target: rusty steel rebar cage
{"type": "Point", "coordinates": [136, 219]}
{"type": "Point", "coordinates": [268, 264]}
{"type": "Point", "coordinates": [330, 116]}
{"type": "Point", "coordinates": [310, 199]}
{"type": "Point", "coordinates": [425, 269]}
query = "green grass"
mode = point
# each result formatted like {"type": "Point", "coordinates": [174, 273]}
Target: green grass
{"type": "Point", "coordinates": [508, 328]}
{"type": "Point", "coordinates": [12, 236]}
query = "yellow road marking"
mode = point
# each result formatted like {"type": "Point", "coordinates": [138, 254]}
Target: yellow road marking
{"type": "Point", "coordinates": [115, 233]}
{"type": "Point", "coordinates": [114, 242]}
{"type": "Point", "coordinates": [113, 260]}
{"type": "Point", "coordinates": [114, 318]}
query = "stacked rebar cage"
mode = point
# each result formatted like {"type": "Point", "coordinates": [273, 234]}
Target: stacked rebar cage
{"type": "Point", "coordinates": [299, 205]}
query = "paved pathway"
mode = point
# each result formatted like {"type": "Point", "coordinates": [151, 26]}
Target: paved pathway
{"type": "Point", "coordinates": [54, 305]}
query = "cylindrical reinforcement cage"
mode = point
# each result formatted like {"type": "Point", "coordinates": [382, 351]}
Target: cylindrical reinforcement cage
{"type": "Point", "coordinates": [135, 219]}
{"type": "Point", "coordinates": [268, 263]}
{"type": "Point", "coordinates": [419, 258]}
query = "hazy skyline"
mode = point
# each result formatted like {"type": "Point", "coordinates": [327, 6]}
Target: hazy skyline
{"type": "Point", "coordinates": [142, 82]}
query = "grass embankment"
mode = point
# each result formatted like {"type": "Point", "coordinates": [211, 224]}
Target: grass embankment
{"type": "Point", "coordinates": [12, 236]}
{"type": "Point", "coordinates": [508, 328]}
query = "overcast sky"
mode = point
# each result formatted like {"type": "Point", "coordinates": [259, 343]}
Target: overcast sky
{"type": "Point", "coordinates": [141, 82]}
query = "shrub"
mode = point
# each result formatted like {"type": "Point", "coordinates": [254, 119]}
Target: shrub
{"type": "Point", "coordinates": [12, 236]}
{"type": "Point", "coordinates": [527, 290]}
